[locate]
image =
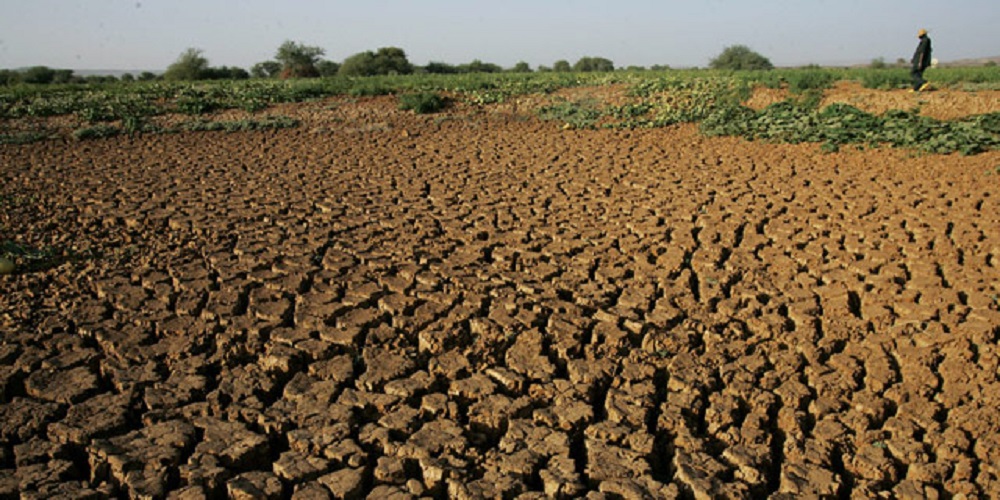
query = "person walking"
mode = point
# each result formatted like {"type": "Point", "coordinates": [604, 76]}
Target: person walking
{"type": "Point", "coordinates": [921, 61]}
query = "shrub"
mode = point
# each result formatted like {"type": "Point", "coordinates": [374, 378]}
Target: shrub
{"type": "Point", "coordinates": [95, 132]}
{"type": "Point", "coordinates": [594, 64]}
{"type": "Point", "coordinates": [189, 66]}
{"type": "Point", "coordinates": [740, 57]}
{"type": "Point", "coordinates": [298, 60]}
{"type": "Point", "coordinates": [422, 103]}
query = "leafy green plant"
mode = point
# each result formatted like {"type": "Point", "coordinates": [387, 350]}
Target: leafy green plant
{"type": "Point", "coordinates": [422, 103]}
{"type": "Point", "coordinates": [271, 122]}
{"type": "Point", "coordinates": [576, 114]}
{"type": "Point", "coordinates": [95, 132]}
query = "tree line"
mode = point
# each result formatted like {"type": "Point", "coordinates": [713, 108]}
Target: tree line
{"type": "Point", "coordinates": [297, 60]}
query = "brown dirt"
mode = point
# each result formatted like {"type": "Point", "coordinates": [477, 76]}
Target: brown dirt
{"type": "Point", "coordinates": [479, 305]}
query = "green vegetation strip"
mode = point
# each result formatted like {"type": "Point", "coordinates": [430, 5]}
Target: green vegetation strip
{"type": "Point", "coordinates": [661, 98]}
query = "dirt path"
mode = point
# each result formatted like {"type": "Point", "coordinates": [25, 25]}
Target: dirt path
{"type": "Point", "coordinates": [475, 305]}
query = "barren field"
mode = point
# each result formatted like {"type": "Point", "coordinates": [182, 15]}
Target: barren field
{"type": "Point", "coordinates": [479, 304]}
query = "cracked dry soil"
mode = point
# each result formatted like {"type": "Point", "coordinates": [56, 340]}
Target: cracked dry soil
{"type": "Point", "coordinates": [481, 305]}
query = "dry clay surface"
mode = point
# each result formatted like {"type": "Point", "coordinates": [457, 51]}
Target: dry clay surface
{"type": "Point", "coordinates": [480, 305]}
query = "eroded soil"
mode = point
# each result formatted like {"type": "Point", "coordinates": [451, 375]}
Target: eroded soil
{"type": "Point", "coordinates": [477, 304]}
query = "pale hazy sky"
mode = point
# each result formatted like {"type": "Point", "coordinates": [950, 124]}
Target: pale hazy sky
{"type": "Point", "coordinates": [151, 34]}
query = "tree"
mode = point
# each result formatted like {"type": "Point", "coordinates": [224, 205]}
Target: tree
{"type": "Point", "coordinates": [477, 66]}
{"type": "Point", "coordinates": [521, 67]}
{"type": "Point", "coordinates": [387, 61]}
{"type": "Point", "coordinates": [360, 64]}
{"type": "Point", "coordinates": [392, 61]}
{"type": "Point", "coordinates": [594, 64]}
{"type": "Point", "coordinates": [38, 74]}
{"type": "Point", "coordinates": [562, 66]}
{"type": "Point", "coordinates": [327, 68]}
{"type": "Point", "coordinates": [440, 68]}
{"type": "Point", "coordinates": [266, 69]}
{"type": "Point", "coordinates": [740, 57]}
{"type": "Point", "coordinates": [189, 66]}
{"type": "Point", "coordinates": [147, 76]}
{"type": "Point", "coordinates": [298, 60]}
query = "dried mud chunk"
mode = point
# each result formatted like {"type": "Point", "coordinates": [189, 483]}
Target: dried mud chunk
{"type": "Point", "coordinates": [568, 408]}
{"type": "Point", "coordinates": [38, 476]}
{"type": "Point", "coordinates": [96, 417]}
{"type": "Point", "coordinates": [296, 467]}
{"type": "Point", "coordinates": [390, 492]}
{"type": "Point", "coordinates": [493, 413]}
{"type": "Point", "coordinates": [630, 404]}
{"type": "Point", "coordinates": [389, 470]}
{"type": "Point", "coordinates": [704, 476]}
{"type": "Point", "coordinates": [62, 386]}
{"type": "Point", "coordinates": [437, 437]}
{"type": "Point", "coordinates": [475, 387]}
{"type": "Point", "coordinates": [256, 485]}
{"type": "Point", "coordinates": [608, 462]}
{"type": "Point", "coordinates": [450, 365]}
{"type": "Point", "coordinates": [23, 418]}
{"type": "Point", "coordinates": [525, 357]}
{"type": "Point", "coordinates": [69, 490]}
{"type": "Point", "coordinates": [872, 462]}
{"type": "Point", "coordinates": [415, 385]}
{"type": "Point", "coordinates": [178, 390]}
{"type": "Point", "coordinates": [382, 365]}
{"type": "Point", "coordinates": [141, 461]}
{"type": "Point", "coordinates": [38, 451]}
{"type": "Point", "coordinates": [311, 491]}
{"type": "Point", "coordinates": [808, 480]}
{"type": "Point", "coordinates": [345, 483]}
{"type": "Point", "coordinates": [338, 369]}
{"type": "Point", "coordinates": [560, 478]}
{"type": "Point", "coordinates": [236, 446]}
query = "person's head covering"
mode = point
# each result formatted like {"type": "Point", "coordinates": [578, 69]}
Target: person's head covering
{"type": "Point", "coordinates": [922, 32]}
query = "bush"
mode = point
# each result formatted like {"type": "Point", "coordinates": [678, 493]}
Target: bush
{"type": "Point", "coordinates": [298, 60]}
{"type": "Point", "coordinates": [189, 66]}
{"type": "Point", "coordinates": [422, 103]}
{"type": "Point", "coordinates": [594, 64]}
{"type": "Point", "coordinates": [740, 57]}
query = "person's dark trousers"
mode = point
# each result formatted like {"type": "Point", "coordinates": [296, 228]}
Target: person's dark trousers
{"type": "Point", "coordinates": [918, 78]}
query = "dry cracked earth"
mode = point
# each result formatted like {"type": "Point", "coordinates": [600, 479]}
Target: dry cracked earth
{"type": "Point", "coordinates": [477, 304]}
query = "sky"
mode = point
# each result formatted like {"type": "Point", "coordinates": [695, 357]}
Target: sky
{"type": "Point", "coordinates": [151, 34]}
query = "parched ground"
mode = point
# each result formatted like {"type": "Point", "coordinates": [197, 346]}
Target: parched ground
{"type": "Point", "coordinates": [477, 304]}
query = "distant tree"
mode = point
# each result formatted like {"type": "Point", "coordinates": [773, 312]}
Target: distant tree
{"type": "Point", "coordinates": [62, 76]}
{"type": "Point", "coordinates": [990, 64]}
{"type": "Point", "coordinates": [225, 73]}
{"type": "Point", "coordinates": [9, 77]}
{"type": "Point", "coordinates": [127, 77]}
{"type": "Point", "coordinates": [38, 74]}
{"type": "Point", "coordinates": [659, 67]}
{"type": "Point", "coordinates": [298, 60]}
{"type": "Point", "coordinates": [562, 66]}
{"type": "Point", "coordinates": [327, 68]}
{"type": "Point", "coordinates": [878, 63]}
{"type": "Point", "coordinates": [594, 64]}
{"type": "Point", "coordinates": [521, 67]}
{"type": "Point", "coordinates": [189, 66]}
{"type": "Point", "coordinates": [360, 64]}
{"type": "Point", "coordinates": [392, 61]}
{"type": "Point", "coordinates": [477, 66]}
{"type": "Point", "coordinates": [266, 69]}
{"type": "Point", "coordinates": [440, 68]}
{"type": "Point", "coordinates": [386, 61]}
{"type": "Point", "coordinates": [740, 57]}
{"type": "Point", "coordinates": [544, 69]}
{"type": "Point", "coordinates": [147, 76]}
